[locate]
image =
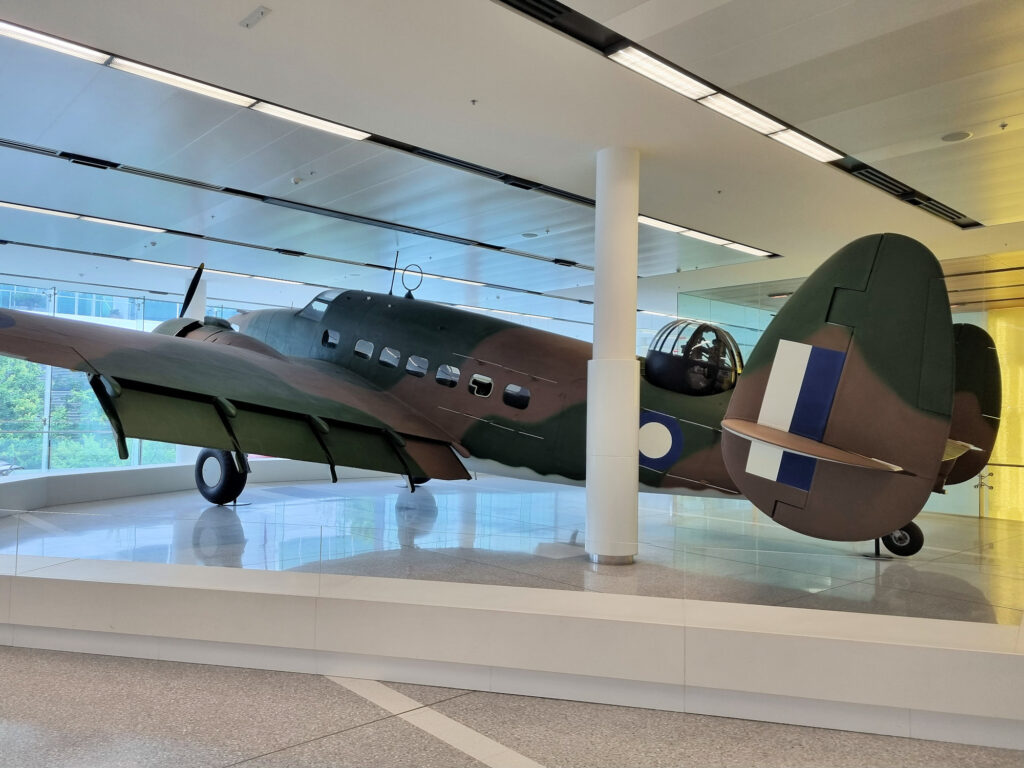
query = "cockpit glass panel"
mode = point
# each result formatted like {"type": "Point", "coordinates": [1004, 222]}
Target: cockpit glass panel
{"type": "Point", "coordinates": [693, 358]}
{"type": "Point", "coordinates": [316, 308]}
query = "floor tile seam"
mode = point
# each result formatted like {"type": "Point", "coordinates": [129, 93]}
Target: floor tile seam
{"type": "Point", "coordinates": [846, 580]}
{"type": "Point", "coordinates": [1016, 577]}
{"type": "Point", "coordinates": [314, 739]}
{"type": "Point", "coordinates": [574, 588]}
{"type": "Point", "coordinates": [948, 596]}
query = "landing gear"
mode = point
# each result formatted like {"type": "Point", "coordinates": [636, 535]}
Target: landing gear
{"type": "Point", "coordinates": [905, 542]}
{"type": "Point", "coordinates": [218, 477]}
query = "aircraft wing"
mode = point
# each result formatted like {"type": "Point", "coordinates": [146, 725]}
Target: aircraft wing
{"type": "Point", "coordinates": [839, 424]}
{"type": "Point", "coordinates": [160, 387]}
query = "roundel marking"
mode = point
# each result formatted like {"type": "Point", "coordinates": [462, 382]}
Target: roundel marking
{"type": "Point", "coordinates": [661, 440]}
{"type": "Point", "coordinates": [655, 440]}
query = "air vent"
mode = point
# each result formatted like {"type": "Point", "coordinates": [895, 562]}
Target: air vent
{"type": "Point", "coordinates": [455, 162]}
{"type": "Point", "coordinates": [92, 162]}
{"type": "Point", "coordinates": [882, 181]}
{"type": "Point", "coordinates": [934, 206]}
{"type": "Point", "coordinates": [167, 177]}
{"type": "Point", "coordinates": [564, 262]}
{"type": "Point", "coordinates": [544, 10]}
{"type": "Point", "coordinates": [27, 147]}
{"type": "Point", "coordinates": [518, 183]}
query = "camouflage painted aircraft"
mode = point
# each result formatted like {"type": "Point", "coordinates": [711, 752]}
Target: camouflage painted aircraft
{"type": "Point", "coordinates": [858, 401]}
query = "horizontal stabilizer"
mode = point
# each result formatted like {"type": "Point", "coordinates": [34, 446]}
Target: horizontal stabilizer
{"type": "Point", "coordinates": [803, 446]}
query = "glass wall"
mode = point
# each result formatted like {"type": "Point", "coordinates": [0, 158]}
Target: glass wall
{"type": "Point", "coordinates": [49, 418]}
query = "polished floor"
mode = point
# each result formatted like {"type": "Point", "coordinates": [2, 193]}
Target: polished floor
{"type": "Point", "coordinates": [512, 532]}
{"type": "Point", "coordinates": [66, 709]}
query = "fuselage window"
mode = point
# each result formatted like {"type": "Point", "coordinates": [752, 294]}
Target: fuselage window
{"type": "Point", "coordinates": [417, 366]}
{"type": "Point", "coordinates": [516, 396]}
{"type": "Point", "coordinates": [330, 339]}
{"type": "Point", "coordinates": [364, 349]}
{"type": "Point", "coordinates": [389, 357]}
{"type": "Point", "coordinates": [448, 375]}
{"type": "Point", "coordinates": [481, 386]}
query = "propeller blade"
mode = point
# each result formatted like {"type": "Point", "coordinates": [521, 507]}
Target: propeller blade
{"type": "Point", "coordinates": [191, 290]}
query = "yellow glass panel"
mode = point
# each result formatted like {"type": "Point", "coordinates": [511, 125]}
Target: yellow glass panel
{"type": "Point", "coordinates": [1006, 499]}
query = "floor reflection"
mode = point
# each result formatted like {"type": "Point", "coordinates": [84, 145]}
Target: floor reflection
{"type": "Point", "coordinates": [500, 531]}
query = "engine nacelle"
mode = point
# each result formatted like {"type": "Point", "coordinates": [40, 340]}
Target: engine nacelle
{"type": "Point", "coordinates": [215, 330]}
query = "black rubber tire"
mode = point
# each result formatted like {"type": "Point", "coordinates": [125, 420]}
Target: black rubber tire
{"type": "Point", "coordinates": [905, 542]}
{"type": "Point", "coordinates": [231, 482]}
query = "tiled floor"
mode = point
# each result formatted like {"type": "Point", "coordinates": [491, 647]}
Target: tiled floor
{"type": "Point", "coordinates": [64, 709]}
{"type": "Point", "coordinates": [512, 532]}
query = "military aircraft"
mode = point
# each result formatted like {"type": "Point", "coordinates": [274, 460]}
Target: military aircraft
{"type": "Point", "coordinates": [859, 400]}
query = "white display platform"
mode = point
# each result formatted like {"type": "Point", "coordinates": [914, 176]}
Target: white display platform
{"type": "Point", "coordinates": [924, 678]}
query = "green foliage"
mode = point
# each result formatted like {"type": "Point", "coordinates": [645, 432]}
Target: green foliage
{"type": "Point", "coordinates": [21, 412]}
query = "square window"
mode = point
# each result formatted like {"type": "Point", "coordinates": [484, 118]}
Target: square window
{"type": "Point", "coordinates": [516, 396]}
{"type": "Point", "coordinates": [481, 386]}
{"type": "Point", "coordinates": [447, 375]}
{"type": "Point", "coordinates": [416, 366]}
{"type": "Point", "coordinates": [390, 357]}
{"type": "Point", "coordinates": [330, 339]}
{"type": "Point", "coordinates": [364, 349]}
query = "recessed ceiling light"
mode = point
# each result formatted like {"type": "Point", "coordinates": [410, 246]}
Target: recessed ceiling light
{"type": "Point", "coordinates": [53, 43]}
{"type": "Point", "coordinates": [957, 136]}
{"type": "Point", "coordinates": [660, 224]}
{"type": "Point", "coordinates": [741, 113]}
{"type": "Point", "coordinates": [33, 209]}
{"type": "Point", "coordinates": [124, 224]}
{"type": "Point", "coordinates": [308, 120]}
{"type": "Point", "coordinates": [169, 78]}
{"type": "Point", "coordinates": [657, 70]}
{"type": "Point", "coordinates": [159, 263]}
{"type": "Point", "coordinates": [747, 249]}
{"type": "Point", "coordinates": [706, 238]}
{"type": "Point", "coordinates": [808, 146]}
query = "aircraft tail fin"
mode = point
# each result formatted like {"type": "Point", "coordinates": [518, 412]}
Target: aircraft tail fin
{"type": "Point", "coordinates": [853, 384]}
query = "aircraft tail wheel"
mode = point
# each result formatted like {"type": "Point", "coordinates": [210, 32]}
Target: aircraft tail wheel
{"type": "Point", "coordinates": [217, 477]}
{"type": "Point", "coordinates": [905, 542]}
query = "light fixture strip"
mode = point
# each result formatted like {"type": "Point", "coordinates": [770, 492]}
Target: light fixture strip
{"type": "Point", "coordinates": [53, 43]}
{"type": "Point", "coordinates": [159, 263]}
{"type": "Point", "coordinates": [657, 70]}
{"type": "Point", "coordinates": [125, 224]}
{"type": "Point", "coordinates": [747, 249]}
{"type": "Point", "coordinates": [705, 238]}
{"type": "Point", "coordinates": [33, 209]}
{"type": "Point", "coordinates": [178, 81]}
{"type": "Point", "coordinates": [650, 222]}
{"type": "Point", "coordinates": [741, 113]}
{"type": "Point", "coordinates": [806, 145]}
{"type": "Point", "coordinates": [308, 120]}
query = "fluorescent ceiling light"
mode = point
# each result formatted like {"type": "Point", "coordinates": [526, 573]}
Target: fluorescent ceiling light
{"type": "Point", "coordinates": [747, 249]}
{"type": "Point", "coordinates": [124, 224]}
{"type": "Point", "coordinates": [706, 238]}
{"type": "Point", "coordinates": [310, 121]}
{"type": "Point", "coordinates": [222, 272]}
{"type": "Point", "coordinates": [660, 72]}
{"type": "Point", "coordinates": [659, 314]}
{"type": "Point", "coordinates": [178, 81]}
{"type": "Point", "coordinates": [460, 280]}
{"type": "Point", "coordinates": [660, 224]}
{"type": "Point", "coordinates": [53, 43]}
{"type": "Point", "coordinates": [809, 147]}
{"type": "Point", "coordinates": [741, 113]}
{"type": "Point", "coordinates": [33, 209]}
{"type": "Point", "coordinates": [158, 263]}
{"type": "Point", "coordinates": [277, 280]}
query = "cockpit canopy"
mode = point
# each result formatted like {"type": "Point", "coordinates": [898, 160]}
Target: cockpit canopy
{"type": "Point", "coordinates": [693, 358]}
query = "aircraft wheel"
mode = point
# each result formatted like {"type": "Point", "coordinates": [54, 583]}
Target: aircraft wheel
{"type": "Point", "coordinates": [217, 477]}
{"type": "Point", "coordinates": [905, 542]}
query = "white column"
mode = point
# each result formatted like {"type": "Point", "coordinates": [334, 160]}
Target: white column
{"type": "Point", "coordinates": [613, 375]}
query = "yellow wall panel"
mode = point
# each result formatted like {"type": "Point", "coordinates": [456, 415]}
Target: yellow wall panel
{"type": "Point", "coordinates": [1006, 499]}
